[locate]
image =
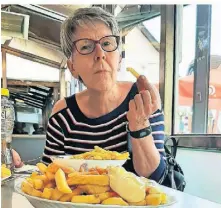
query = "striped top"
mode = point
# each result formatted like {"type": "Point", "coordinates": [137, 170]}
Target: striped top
{"type": "Point", "coordinates": [70, 132]}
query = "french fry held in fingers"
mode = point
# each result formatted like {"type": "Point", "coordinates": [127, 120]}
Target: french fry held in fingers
{"type": "Point", "coordinates": [133, 72]}
{"type": "Point", "coordinates": [102, 180]}
{"type": "Point", "coordinates": [61, 182]}
{"type": "Point", "coordinates": [141, 80]}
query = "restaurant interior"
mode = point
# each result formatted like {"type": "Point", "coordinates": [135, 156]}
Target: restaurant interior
{"type": "Point", "coordinates": [177, 47]}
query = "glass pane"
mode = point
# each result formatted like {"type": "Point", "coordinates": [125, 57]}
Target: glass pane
{"type": "Point", "coordinates": [32, 104]}
{"type": "Point", "coordinates": [183, 113]}
{"type": "Point", "coordinates": [19, 68]}
{"type": "Point", "coordinates": [214, 111]}
{"type": "Point", "coordinates": [185, 86]}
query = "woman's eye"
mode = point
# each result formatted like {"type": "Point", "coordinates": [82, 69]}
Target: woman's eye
{"type": "Point", "coordinates": [85, 47]}
{"type": "Point", "coordinates": [106, 43]}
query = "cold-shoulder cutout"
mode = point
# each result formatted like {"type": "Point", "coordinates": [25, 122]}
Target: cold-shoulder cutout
{"type": "Point", "coordinates": [59, 105]}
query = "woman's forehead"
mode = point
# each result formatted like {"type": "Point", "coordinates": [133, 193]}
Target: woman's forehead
{"type": "Point", "coordinates": [92, 30]}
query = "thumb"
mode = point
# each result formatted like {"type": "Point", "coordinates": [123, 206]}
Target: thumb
{"type": "Point", "coordinates": [143, 83]}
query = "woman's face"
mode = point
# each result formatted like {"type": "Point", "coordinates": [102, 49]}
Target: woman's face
{"type": "Point", "coordinates": [98, 69]}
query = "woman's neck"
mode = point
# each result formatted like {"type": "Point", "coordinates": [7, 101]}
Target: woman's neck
{"type": "Point", "coordinates": [97, 103]}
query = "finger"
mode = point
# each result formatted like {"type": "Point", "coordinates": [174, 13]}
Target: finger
{"type": "Point", "coordinates": [139, 104]}
{"type": "Point", "coordinates": [132, 109]}
{"type": "Point", "coordinates": [19, 165]}
{"type": "Point", "coordinates": [155, 96]}
{"type": "Point", "coordinates": [147, 102]}
{"type": "Point", "coordinates": [132, 106]}
{"type": "Point", "coordinates": [144, 84]}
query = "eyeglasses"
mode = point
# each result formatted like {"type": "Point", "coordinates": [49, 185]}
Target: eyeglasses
{"type": "Point", "coordinates": [86, 46]}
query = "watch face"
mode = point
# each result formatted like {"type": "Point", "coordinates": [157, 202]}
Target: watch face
{"type": "Point", "coordinates": [143, 133]}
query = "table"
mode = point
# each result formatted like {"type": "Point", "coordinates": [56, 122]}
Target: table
{"type": "Point", "coordinates": [10, 199]}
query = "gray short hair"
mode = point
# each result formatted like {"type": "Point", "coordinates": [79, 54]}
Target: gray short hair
{"type": "Point", "coordinates": [80, 17]}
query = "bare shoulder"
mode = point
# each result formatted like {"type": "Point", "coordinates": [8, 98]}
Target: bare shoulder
{"type": "Point", "coordinates": [58, 106]}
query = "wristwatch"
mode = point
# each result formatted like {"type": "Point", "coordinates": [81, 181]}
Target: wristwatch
{"type": "Point", "coordinates": [140, 133]}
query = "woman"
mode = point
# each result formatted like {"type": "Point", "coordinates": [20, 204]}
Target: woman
{"type": "Point", "coordinates": [98, 115]}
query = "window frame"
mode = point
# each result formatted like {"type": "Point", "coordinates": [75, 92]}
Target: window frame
{"type": "Point", "coordinates": [170, 15]}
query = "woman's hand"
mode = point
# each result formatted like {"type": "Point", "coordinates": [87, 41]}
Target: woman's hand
{"type": "Point", "coordinates": [17, 159]}
{"type": "Point", "coordinates": [143, 105]}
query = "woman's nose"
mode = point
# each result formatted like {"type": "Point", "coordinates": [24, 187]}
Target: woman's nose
{"type": "Point", "coordinates": [99, 53]}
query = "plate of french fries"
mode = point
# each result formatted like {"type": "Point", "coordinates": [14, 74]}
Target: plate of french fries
{"type": "Point", "coordinates": [97, 157]}
{"type": "Point", "coordinates": [5, 172]}
{"type": "Point", "coordinates": [61, 186]}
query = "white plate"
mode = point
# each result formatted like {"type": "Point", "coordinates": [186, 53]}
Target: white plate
{"type": "Point", "coordinates": [3, 179]}
{"type": "Point", "coordinates": [27, 168]}
{"type": "Point", "coordinates": [75, 163]}
{"type": "Point", "coordinates": [39, 202]}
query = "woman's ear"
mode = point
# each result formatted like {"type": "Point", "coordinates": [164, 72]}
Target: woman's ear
{"type": "Point", "coordinates": [71, 68]}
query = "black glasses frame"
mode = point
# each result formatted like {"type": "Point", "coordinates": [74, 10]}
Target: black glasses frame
{"type": "Point", "coordinates": [97, 42]}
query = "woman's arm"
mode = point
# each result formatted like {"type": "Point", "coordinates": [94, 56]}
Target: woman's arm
{"type": "Point", "coordinates": [143, 112]}
{"type": "Point", "coordinates": [148, 152]}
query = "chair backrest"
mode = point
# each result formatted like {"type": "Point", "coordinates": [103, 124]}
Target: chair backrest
{"type": "Point", "coordinates": [170, 146]}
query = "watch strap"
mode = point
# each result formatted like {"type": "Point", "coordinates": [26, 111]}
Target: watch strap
{"type": "Point", "coordinates": [140, 133]}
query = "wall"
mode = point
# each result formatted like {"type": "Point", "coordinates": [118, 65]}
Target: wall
{"type": "Point", "coordinates": [202, 171]}
{"type": "Point", "coordinates": [28, 147]}
{"type": "Point", "coordinates": [141, 55]}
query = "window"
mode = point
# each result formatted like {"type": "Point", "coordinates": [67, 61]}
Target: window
{"type": "Point", "coordinates": [197, 45]}
{"type": "Point", "coordinates": [31, 86]}
{"type": "Point", "coordinates": [142, 46]}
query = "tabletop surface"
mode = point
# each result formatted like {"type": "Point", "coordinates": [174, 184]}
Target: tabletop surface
{"type": "Point", "coordinates": [11, 199]}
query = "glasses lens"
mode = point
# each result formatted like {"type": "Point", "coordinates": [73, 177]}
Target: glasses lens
{"type": "Point", "coordinates": [109, 43]}
{"type": "Point", "coordinates": [85, 46]}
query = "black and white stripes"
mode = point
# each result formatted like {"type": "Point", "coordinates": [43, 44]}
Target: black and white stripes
{"type": "Point", "coordinates": [69, 131]}
{"type": "Point", "coordinates": [65, 135]}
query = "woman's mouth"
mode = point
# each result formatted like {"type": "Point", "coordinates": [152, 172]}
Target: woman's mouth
{"type": "Point", "coordinates": [101, 71]}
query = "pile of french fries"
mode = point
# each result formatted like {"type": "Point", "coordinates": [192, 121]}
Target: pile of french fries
{"type": "Point", "coordinates": [91, 186]}
{"type": "Point", "coordinates": [101, 154]}
{"type": "Point", "coordinates": [5, 172]}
